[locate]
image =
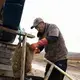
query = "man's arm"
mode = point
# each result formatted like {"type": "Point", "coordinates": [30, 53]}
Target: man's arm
{"type": "Point", "coordinates": [52, 37]}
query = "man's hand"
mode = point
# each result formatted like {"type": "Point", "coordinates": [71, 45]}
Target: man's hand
{"type": "Point", "coordinates": [37, 51]}
{"type": "Point", "coordinates": [40, 43]}
{"type": "Point", "coordinates": [34, 46]}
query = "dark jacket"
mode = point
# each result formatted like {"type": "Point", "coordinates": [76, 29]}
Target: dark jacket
{"type": "Point", "coordinates": [55, 51]}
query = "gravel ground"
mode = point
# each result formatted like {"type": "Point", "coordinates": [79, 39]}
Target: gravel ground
{"type": "Point", "coordinates": [38, 69]}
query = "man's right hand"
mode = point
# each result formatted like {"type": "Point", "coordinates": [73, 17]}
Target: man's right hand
{"type": "Point", "coordinates": [35, 48]}
{"type": "Point", "coordinates": [37, 51]}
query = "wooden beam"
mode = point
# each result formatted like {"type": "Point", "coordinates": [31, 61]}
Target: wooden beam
{"type": "Point", "coordinates": [16, 32]}
{"type": "Point", "coordinates": [8, 44]}
{"type": "Point", "coordinates": [11, 31]}
{"type": "Point", "coordinates": [23, 59]}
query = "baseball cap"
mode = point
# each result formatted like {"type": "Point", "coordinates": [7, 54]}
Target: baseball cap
{"type": "Point", "coordinates": [36, 22]}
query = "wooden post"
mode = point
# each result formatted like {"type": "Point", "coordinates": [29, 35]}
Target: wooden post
{"type": "Point", "coordinates": [49, 72]}
{"type": "Point", "coordinates": [16, 32]}
{"type": "Point", "coordinates": [23, 59]}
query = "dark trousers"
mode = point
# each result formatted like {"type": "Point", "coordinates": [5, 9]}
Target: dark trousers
{"type": "Point", "coordinates": [55, 74]}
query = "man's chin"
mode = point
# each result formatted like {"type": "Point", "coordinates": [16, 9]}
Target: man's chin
{"type": "Point", "coordinates": [41, 31]}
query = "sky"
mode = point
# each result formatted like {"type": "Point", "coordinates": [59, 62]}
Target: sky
{"type": "Point", "coordinates": [64, 13]}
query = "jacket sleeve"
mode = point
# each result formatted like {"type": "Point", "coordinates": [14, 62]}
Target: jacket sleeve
{"type": "Point", "coordinates": [52, 39]}
{"type": "Point", "coordinates": [53, 30]}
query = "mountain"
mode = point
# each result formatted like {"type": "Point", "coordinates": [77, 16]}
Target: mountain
{"type": "Point", "coordinates": [73, 56]}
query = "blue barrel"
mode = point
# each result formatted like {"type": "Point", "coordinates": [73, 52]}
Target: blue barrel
{"type": "Point", "coordinates": [12, 12]}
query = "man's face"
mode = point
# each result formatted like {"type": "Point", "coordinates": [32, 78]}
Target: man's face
{"type": "Point", "coordinates": [40, 27]}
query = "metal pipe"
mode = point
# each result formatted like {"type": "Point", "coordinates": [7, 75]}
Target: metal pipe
{"type": "Point", "coordinates": [49, 72]}
{"type": "Point", "coordinates": [58, 69]}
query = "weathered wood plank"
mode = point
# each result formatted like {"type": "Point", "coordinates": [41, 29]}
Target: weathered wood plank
{"type": "Point", "coordinates": [8, 44]}
{"type": "Point", "coordinates": [5, 67]}
{"type": "Point", "coordinates": [6, 52]}
{"type": "Point", "coordinates": [5, 61]}
{"type": "Point", "coordinates": [5, 55]}
{"type": "Point", "coordinates": [6, 78]}
{"type": "Point", "coordinates": [6, 70]}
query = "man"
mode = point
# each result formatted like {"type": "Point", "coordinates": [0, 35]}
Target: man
{"type": "Point", "coordinates": [52, 40]}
